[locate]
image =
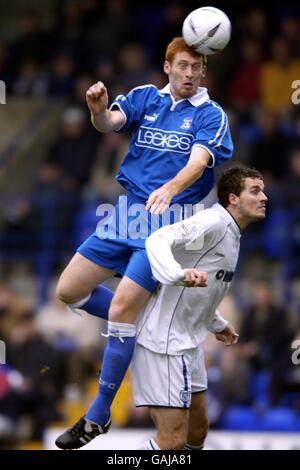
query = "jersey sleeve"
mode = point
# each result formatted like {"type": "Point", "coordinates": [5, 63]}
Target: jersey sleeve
{"type": "Point", "coordinates": [133, 106]}
{"type": "Point", "coordinates": [217, 323]}
{"type": "Point", "coordinates": [164, 266]}
{"type": "Point", "coordinates": [214, 135]}
{"type": "Point", "coordinates": [194, 233]}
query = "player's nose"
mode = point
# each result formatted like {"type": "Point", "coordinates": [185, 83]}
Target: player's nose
{"type": "Point", "coordinates": [188, 72]}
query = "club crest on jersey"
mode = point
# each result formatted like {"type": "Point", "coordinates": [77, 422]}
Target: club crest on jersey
{"type": "Point", "coordinates": [185, 396]}
{"type": "Point", "coordinates": [186, 123]}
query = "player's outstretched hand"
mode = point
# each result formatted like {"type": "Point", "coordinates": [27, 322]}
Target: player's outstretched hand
{"type": "Point", "coordinates": [229, 336]}
{"type": "Point", "coordinates": [159, 200]}
{"type": "Point", "coordinates": [195, 278]}
{"type": "Point", "coordinates": [97, 98]}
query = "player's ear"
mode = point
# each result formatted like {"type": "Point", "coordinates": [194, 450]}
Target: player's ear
{"type": "Point", "coordinates": [167, 67]}
{"type": "Point", "coordinates": [203, 73]}
{"type": "Point", "coordinates": [232, 198]}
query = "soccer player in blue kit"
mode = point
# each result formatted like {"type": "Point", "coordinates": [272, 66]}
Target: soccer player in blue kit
{"type": "Point", "coordinates": [178, 134]}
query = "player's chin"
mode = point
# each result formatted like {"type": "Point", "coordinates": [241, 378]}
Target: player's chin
{"type": "Point", "coordinates": [261, 213]}
{"type": "Point", "coordinates": [187, 91]}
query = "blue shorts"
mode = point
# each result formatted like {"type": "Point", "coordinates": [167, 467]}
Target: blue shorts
{"type": "Point", "coordinates": [121, 258]}
{"type": "Point", "coordinates": [119, 241]}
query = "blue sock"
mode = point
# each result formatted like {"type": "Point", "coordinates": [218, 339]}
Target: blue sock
{"type": "Point", "coordinates": [97, 303]}
{"type": "Point", "coordinates": [117, 357]}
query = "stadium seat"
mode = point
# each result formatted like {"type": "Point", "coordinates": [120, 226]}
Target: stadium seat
{"type": "Point", "coordinates": [243, 418]}
{"type": "Point", "coordinates": [240, 418]}
{"type": "Point", "coordinates": [279, 419]}
{"type": "Point", "coordinates": [259, 387]}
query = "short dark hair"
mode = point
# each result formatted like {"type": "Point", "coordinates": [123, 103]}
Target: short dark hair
{"type": "Point", "coordinates": [232, 180]}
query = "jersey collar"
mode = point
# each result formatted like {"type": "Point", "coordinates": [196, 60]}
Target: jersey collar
{"type": "Point", "coordinates": [196, 100]}
{"type": "Point", "coordinates": [229, 218]}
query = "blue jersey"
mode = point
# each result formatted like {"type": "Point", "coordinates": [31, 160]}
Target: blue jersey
{"type": "Point", "coordinates": [163, 135]}
{"type": "Point", "coordinates": [164, 132]}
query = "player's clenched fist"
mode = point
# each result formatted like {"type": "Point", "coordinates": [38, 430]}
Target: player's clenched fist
{"type": "Point", "coordinates": [195, 278]}
{"type": "Point", "coordinates": [97, 98]}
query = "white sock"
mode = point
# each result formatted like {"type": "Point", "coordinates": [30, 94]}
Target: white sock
{"type": "Point", "coordinates": [149, 445]}
{"type": "Point", "coordinates": [120, 329]}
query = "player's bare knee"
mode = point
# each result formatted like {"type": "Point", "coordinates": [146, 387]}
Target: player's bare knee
{"type": "Point", "coordinates": [121, 312]}
{"type": "Point", "coordinates": [63, 296]}
{"type": "Point", "coordinates": [117, 312]}
{"type": "Point", "coordinates": [64, 293]}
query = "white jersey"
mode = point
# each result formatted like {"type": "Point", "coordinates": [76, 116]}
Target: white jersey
{"type": "Point", "coordinates": [178, 318]}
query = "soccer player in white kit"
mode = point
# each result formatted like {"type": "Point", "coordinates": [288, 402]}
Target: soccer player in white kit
{"type": "Point", "coordinates": [168, 372]}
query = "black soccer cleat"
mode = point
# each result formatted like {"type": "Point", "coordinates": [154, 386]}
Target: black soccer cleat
{"type": "Point", "coordinates": [81, 434]}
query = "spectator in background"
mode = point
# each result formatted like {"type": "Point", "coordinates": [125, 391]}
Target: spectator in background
{"type": "Point", "coordinates": [30, 41]}
{"type": "Point", "coordinates": [69, 30]}
{"type": "Point", "coordinates": [31, 80]}
{"type": "Point", "coordinates": [254, 24]}
{"type": "Point", "coordinates": [265, 332]}
{"type": "Point", "coordinates": [134, 69]}
{"type": "Point", "coordinates": [277, 76]}
{"type": "Point", "coordinates": [3, 58]}
{"type": "Point", "coordinates": [77, 99]}
{"type": "Point", "coordinates": [110, 153]}
{"type": "Point", "coordinates": [115, 27]}
{"type": "Point", "coordinates": [173, 15]}
{"type": "Point", "coordinates": [294, 133]}
{"type": "Point", "coordinates": [264, 329]}
{"type": "Point", "coordinates": [286, 379]}
{"type": "Point", "coordinates": [61, 76]}
{"type": "Point", "coordinates": [43, 219]}
{"type": "Point", "coordinates": [10, 304]}
{"type": "Point", "coordinates": [244, 94]}
{"type": "Point", "coordinates": [75, 150]}
{"type": "Point", "coordinates": [242, 148]}
{"type": "Point", "coordinates": [41, 375]}
{"type": "Point", "coordinates": [290, 200]}
{"type": "Point", "coordinates": [290, 192]}
{"type": "Point", "coordinates": [290, 29]}
{"type": "Point", "coordinates": [226, 376]}
{"type": "Point", "coordinates": [268, 152]}
{"type": "Point", "coordinates": [105, 70]}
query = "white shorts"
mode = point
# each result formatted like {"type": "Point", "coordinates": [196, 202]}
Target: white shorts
{"type": "Point", "coordinates": [164, 380]}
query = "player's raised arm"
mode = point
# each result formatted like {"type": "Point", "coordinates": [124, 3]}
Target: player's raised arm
{"type": "Point", "coordinates": [160, 199]}
{"type": "Point", "coordinates": [103, 119]}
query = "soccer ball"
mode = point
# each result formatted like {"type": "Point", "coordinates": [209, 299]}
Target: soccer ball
{"type": "Point", "coordinates": [207, 30]}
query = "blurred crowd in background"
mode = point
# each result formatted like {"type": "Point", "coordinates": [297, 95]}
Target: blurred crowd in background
{"type": "Point", "coordinates": [53, 355]}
